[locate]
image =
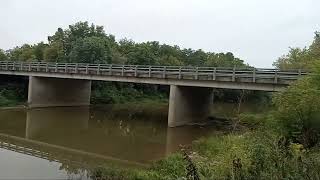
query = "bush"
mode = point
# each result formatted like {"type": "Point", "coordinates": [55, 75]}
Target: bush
{"type": "Point", "coordinates": [297, 109]}
{"type": "Point", "coordinates": [254, 155]}
{"type": "Point", "coordinates": [114, 93]}
{"type": "Point", "coordinates": [10, 96]}
{"type": "Point", "coordinates": [170, 168]}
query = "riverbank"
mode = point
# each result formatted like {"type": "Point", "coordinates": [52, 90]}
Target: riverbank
{"type": "Point", "coordinates": [252, 147]}
{"type": "Point", "coordinates": [252, 153]}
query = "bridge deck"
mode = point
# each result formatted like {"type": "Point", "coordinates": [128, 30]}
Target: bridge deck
{"type": "Point", "coordinates": [232, 78]}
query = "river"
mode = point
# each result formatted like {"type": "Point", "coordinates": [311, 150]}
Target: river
{"type": "Point", "coordinates": [60, 143]}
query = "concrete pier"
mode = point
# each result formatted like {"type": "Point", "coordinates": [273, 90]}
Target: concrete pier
{"type": "Point", "coordinates": [188, 104]}
{"type": "Point", "coordinates": [54, 92]}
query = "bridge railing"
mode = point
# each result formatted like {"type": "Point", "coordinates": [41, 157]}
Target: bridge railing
{"type": "Point", "coordinates": [258, 75]}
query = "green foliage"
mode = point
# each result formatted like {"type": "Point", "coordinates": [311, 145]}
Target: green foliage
{"type": "Point", "coordinates": [91, 50]}
{"type": "Point", "coordinates": [254, 155]}
{"type": "Point", "coordinates": [170, 168]}
{"type": "Point", "coordinates": [113, 93]}
{"type": "Point", "coordinates": [298, 58]}
{"type": "Point", "coordinates": [297, 109]}
{"type": "Point", "coordinates": [3, 55]}
{"type": "Point", "coordinates": [54, 52]}
{"type": "Point", "coordinates": [23, 53]}
{"type": "Point", "coordinates": [84, 43]}
{"type": "Point", "coordinates": [10, 97]}
{"type": "Point", "coordinates": [217, 153]}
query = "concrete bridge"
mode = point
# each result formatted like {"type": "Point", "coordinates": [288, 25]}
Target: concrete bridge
{"type": "Point", "coordinates": [69, 84]}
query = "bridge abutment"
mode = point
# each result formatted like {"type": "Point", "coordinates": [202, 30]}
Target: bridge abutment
{"type": "Point", "coordinates": [188, 104]}
{"type": "Point", "coordinates": [54, 92]}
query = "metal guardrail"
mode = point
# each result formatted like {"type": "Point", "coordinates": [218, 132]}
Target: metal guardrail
{"type": "Point", "coordinates": [167, 72]}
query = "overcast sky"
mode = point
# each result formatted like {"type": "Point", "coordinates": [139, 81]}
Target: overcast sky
{"type": "Point", "coordinates": [258, 31]}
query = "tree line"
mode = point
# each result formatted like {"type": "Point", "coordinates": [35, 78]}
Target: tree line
{"type": "Point", "coordinates": [301, 58]}
{"type": "Point", "coordinates": [84, 43]}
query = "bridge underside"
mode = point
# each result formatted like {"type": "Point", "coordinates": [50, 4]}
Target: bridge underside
{"type": "Point", "coordinates": [188, 104]}
{"type": "Point", "coordinates": [53, 92]}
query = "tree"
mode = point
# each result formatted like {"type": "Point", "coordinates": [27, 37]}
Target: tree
{"type": "Point", "coordinates": [3, 56]}
{"type": "Point", "coordinates": [54, 52]}
{"type": "Point", "coordinates": [70, 45]}
{"type": "Point", "coordinates": [298, 58]}
{"type": "Point", "coordinates": [23, 53]}
{"type": "Point", "coordinates": [298, 109]}
{"type": "Point", "coordinates": [39, 49]}
{"type": "Point", "coordinates": [91, 50]}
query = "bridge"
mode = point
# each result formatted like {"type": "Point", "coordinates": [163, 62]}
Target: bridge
{"type": "Point", "coordinates": [69, 84]}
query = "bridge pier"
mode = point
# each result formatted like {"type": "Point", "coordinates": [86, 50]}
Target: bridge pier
{"type": "Point", "coordinates": [188, 104]}
{"type": "Point", "coordinates": [54, 92]}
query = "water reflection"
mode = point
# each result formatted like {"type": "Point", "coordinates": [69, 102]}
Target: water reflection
{"type": "Point", "coordinates": [84, 137]}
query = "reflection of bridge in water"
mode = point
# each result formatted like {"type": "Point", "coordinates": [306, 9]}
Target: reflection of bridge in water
{"type": "Point", "coordinates": [60, 154]}
{"type": "Point", "coordinates": [87, 137]}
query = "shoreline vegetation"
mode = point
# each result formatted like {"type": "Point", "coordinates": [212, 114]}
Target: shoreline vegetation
{"type": "Point", "coordinates": [282, 142]}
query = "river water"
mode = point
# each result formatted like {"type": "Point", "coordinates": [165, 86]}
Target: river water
{"type": "Point", "coordinates": [60, 143]}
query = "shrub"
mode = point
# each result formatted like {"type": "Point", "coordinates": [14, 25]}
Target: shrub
{"type": "Point", "coordinates": [254, 155]}
{"type": "Point", "coordinates": [297, 108]}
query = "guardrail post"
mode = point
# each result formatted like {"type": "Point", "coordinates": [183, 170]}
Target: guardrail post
{"type": "Point", "coordinates": [110, 70]}
{"type": "Point", "coordinates": [98, 70]}
{"type": "Point", "coordinates": [29, 67]}
{"type": "Point", "coordinates": [254, 75]}
{"type": "Point", "coordinates": [197, 73]}
{"type": "Point", "coordinates": [38, 66]}
{"type": "Point", "coordinates": [76, 68]}
{"type": "Point", "coordinates": [122, 70]}
{"type": "Point", "coordinates": [299, 71]}
{"type": "Point", "coordinates": [47, 67]}
{"type": "Point", "coordinates": [21, 66]}
{"type": "Point", "coordinates": [136, 71]}
{"type": "Point", "coordinates": [214, 74]}
{"type": "Point", "coordinates": [56, 68]}
{"type": "Point", "coordinates": [234, 74]}
{"type": "Point", "coordinates": [275, 77]}
{"type": "Point", "coordinates": [65, 68]}
{"type": "Point", "coordinates": [164, 71]}
{"type": "Point", "coordinates": [149, 71]}
{"type": "Point", "coordinates": [14, 66]}
{"type": "Point", "coordinates": [87, 69]}
{"type": "Point", "coordinates": [180, 72]}
{"type": "Point", "coordinates": [7, 67]}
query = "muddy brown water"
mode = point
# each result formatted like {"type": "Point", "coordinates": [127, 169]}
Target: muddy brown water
{"type": "Point", "coordinates": [59, 143]}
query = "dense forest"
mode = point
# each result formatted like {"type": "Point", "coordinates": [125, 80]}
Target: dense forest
{"type": "Point", "coordinates": [85, 43]}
